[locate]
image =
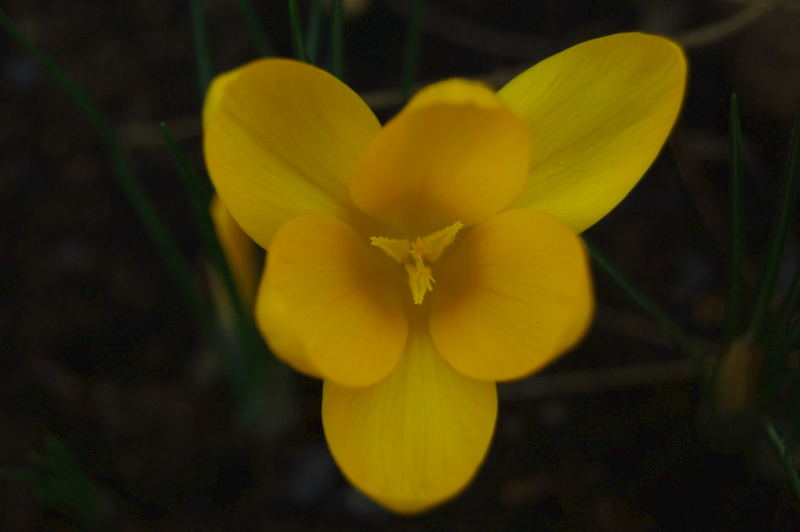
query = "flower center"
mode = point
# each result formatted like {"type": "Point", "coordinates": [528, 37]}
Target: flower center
{"type": "Point", "coordinates": [416, 255]}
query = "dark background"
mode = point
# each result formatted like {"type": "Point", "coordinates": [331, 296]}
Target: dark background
{"type": "Point", "coordinates": [97, 348]}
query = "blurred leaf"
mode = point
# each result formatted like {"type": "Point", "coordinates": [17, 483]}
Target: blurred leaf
{"type": "Point", "coordinates": [297, 32]}
{"type": "Point", "coordinates": [201, 50]}
{"type": "Point", "coordinates": [123, 173]}
{"type": "Point", "coordinates": [777, 237]}
{"type": "Point", "coordinates": [58, 481]}
{"type": "Point", "coordinates": [788, 310]}
{"type": "Point", "coordinates": [411, 66]}
{"type": "Point", "coordinates": [337, 40]}
{"type": "Point", "coordinates": [642, 301]}
{"type": "Point", "coordinates": [256, 29]}
{"type": "Point", "coordinates": [314, 28]}
{"type": "Point", "coordinates": [733, 306]}
{"type": "Point", "coordinates": [780, 353]}
{"type": "Point", "coordinates": [261, 383]}
{"type": "Point", "coordinates": [784, 455]}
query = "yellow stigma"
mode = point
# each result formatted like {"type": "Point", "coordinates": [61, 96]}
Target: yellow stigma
{"type": "Point", "coordinates": [415, 256]}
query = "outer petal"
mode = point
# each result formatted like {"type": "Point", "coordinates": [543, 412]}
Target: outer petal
{"type": "Point", "coordinates": [512, 295]}
{"type": "Point", "coordinates": [280, 139]}
{"type": "Point", "coordinates": [415, 439]}
{"type": "Point", "coordinates": [331, 305]}
{"type": "Point", "coordinates": [239, 250]}
{"type": "Point", "coordinates": [455, 153]}
{"type": "Point", "coordinates": [599, 113]}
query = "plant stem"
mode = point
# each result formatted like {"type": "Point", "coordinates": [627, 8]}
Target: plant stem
{"type": "Point", "coordinates": [643, 302]}
{"type": "Point", "coordinates": [733, 305]}
{"type": "Point", "coordinates": [784, 455]}
{"type": "Point", "coordinates": [201, 51]}
{"type": "Point", "coordinates": [411, 66]}
{"type": "Point", "coordinates": [256, 29]}
{"type": "Point", "coordinates": [298, 47]}
{"type": "Point", "coordinates": [337, 40]}
{"type": "Point", "coordinates": [777, 237]}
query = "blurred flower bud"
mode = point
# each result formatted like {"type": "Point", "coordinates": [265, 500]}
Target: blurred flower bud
{"type": "Point", "coordinates": [736, 376]}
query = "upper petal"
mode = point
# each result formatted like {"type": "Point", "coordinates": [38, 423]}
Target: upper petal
{"type": "Point", "coordinates": [598, 113]}
{"type": "Point", "coordinates": [415, 439]}
{"type": "Point", "coordinates": [280, 139]}
{"type": "Point", "coordinates": [511, 295]}
{"type": "Point", "coordinates": [455, 153]}
{"type": "Point", "coordinates": [330, 304]}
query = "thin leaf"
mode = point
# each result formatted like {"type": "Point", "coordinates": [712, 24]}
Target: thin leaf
{"type": "Point", "coordinates": [789, 308]}
{"type": "Point", "coordinates": [733, 305]}
{"type": "Point", "coordinates": [201, 51]}
{"type": "Point", "coordinates": [784, 456]}
{"type": "Point", "coordinates": [313, 31]}
{"type": "Point", "coordinates": [123, 173]}
{"type": "Point", "coordinates": [60, 483]}
{"type": "Point", "coordinates": [256, 29]}
{"type": "Point", "coordinates": [780, 353]}
{"type": "Point", "coordinates": [411, 66]}
{"type": "Point", "coordinates": [297, 32]}
{"type": "Point", "coordinates": [642, 301]}
{"type": "Point", "coordinates": [199, 197]}
{"type": "Point", "coordinates": [777, 237]}
{"type": "Point", "coordinates": [262, 385]}
{"type": "Point", "coordinates": [337, 40]}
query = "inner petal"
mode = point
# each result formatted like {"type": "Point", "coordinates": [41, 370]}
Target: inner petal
{"type": "Point", "coordinates": [456, 152]}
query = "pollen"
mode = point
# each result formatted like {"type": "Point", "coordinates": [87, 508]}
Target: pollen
{"type": "Point", "coordinates": [417, 255]}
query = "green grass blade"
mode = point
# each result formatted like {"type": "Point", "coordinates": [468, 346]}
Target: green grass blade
{"type": "Point", "coordinates": [199, 197]}
{"type": "Point", "coordinates": [201, 50]}
{"type": "Point", "coordinates": [789, 308]}
{"type": "Point", "coordinates": [777, 237]}
{"type": "Point", "coordinates": [780, 352]}
{"type": "Point", "coordinates": [123, 173]}
{"type": "Point", "coordinates": [297, 32]}
{"type": "Point", "coordinates": [642, 301]}
{"type": "Point", "coordinates": [256, 29]}
{"type": "Point", "coordinates": [784, 456]}
{"type": "Point", "coordinates": [733, 307]}
{"type": "Point", "coordinates": [411, 66]}
{"type": "Point", "coordinates": [313, 30]}
{"type": "Point", "coordinates": [197, 189]}
{"type": "Point", "coordinates": [261, 384]}
{"type": "Point", "coordinates": [60, 483]}
{"type": "Point", "coordinates": [337, 40]}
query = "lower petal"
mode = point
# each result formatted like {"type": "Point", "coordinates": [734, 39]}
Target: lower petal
{"type": "Point", "coordinates": [512, 295]}
{"type": "Point", "coordinates": [416, 438]}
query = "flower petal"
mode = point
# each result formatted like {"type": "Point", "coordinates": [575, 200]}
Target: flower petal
{"type": "Point", "coordinates": [280, 329]}
{"type": "Point", "coordinates": [330, 304]}
{"type": "Point", "coordinates": [415, 439]}
{"type": "Point", "coordinates": [455, 153]}
{"type": "Point", "coordinates": [239, 250]}
{"type": "Point", "coordinates": [280, 139]}
{"type": "Point", "coordinates": [512, 294]}
{"type": "Point", "coordinates": [598, 113]}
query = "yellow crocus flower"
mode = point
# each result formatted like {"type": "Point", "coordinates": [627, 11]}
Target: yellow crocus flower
{"type": "Point", "coordinates": [412, 266]}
